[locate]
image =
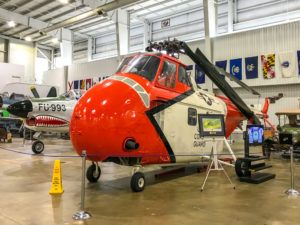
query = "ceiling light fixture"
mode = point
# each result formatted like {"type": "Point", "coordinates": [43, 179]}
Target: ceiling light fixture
{"type": "Point", "coordinates": [11, 23]}
{"type": "Point", "coordinates": [54, 40]}
{"type": "Point", "coordinates": [64, 1]}
{"type": "Point", "coordinates": [28, 38]}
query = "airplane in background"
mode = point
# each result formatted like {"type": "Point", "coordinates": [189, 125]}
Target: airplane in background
{"type": "Point", "coordinates": [51, 114]}
{"type": "Point", "coordinates": [147, 113]}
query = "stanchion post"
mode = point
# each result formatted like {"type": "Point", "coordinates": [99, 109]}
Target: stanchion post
{"type": "Point", "coordinates": [82, 214]}
{"type": "Point", "coordinates": [292, 191]}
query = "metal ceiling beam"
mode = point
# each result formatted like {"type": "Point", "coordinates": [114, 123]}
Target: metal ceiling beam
{"type": "Point", "coordinates": [25, 20]}
{"type": "Point", "coordinates": [97, 11]}
{"type": "Point", "coordinates": [49, 20]}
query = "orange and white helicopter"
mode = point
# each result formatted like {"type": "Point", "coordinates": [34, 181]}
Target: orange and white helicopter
{"type": "Point", "coordinates": [146, 113]}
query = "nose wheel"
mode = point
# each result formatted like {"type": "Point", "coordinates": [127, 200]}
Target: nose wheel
{"type": "Point", "coordinates": [37, 147]}
{"type": "Point", "coordinates": [93, 173]}
{"type": "Point", "coordinates": [138, 182]}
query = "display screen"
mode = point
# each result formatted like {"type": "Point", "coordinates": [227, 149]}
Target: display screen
{"type": "Point", "coordinates": [255, 134]}
{"type": "Point", "coordinates": [211, 125]}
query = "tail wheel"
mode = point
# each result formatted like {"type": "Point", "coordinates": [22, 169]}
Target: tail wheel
{"type": "Point", "coordinates": [93, 173]}
{"type": "Point", "coordinates": [38, 147]}
{"type": "Point", "coordinates": [138, 182]}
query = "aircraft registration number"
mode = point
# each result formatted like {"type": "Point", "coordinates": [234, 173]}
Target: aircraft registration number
{"type": "Point", "coordinates": [52, 107]}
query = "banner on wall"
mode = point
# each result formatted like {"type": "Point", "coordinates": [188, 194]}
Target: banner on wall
{"type": "Point", "coordinates": [251, 67]}
{"type": "Point", "coordinates": [88, 84]}
{"type": "Point", "coordinates": [82, 84]}
{"type": "Point", "coordinates": [236, 68]}
{"type": "Point", "coordinates": [298, 61]}
{"type": "Point", "coordinates": [268, 66]}
{"type": "Point", "coordinates": [76, 84]}
{"type": "Point", "coordinates": [199, 75]}
{"type": "Point", "coordinates": [221, 64]}
{"type": "Point", "coordinates": [287, 64]}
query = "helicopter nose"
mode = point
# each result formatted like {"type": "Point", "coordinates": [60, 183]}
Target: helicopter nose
{"type": "Point", "coordinates": [20, 109]}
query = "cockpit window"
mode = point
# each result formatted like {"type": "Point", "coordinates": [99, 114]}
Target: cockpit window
{"type": "Point", "coordinates": [142, 65]}
{"type": "Point", "coordinates": [72, 95]}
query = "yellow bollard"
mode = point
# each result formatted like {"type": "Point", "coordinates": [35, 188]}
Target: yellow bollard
{"type": "Point", "coordinates": [56, 187]}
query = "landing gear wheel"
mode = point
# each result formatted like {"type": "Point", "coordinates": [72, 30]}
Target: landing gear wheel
{"type": "Point", "coordinates": [242, 168]}
{"type": "Point", "coordinates": [38, 147]}
{"type": "Point", "coordinates": [138, 182]}
{"type": "Point", "coordinates": [93, 174]}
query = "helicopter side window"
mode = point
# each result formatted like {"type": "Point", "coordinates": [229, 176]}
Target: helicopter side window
{"type": "Point", "coordinates": [168, 75]}
{"type": "Point", "coordinates": [192, 117]}
{"type": "Point", "coordinates": [183, 76]}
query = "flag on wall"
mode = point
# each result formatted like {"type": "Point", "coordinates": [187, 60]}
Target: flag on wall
{"type": "Point", "coordinates": [76, 84]}
{"type": "Point", "coordinates": [298, 61]}
{"type": "Point", "coordinates": [82, 84]}
{"type": "Point", "coordinates": [95, 80]}
{"type": "Point", "coordinates": [251, 67]}
{"type": "Point", "coordinates": [268, 66]}
{"type": "Point", "coordinates": [88, 84]}
{"type": "Point", "coordinates": [287, 64]}
{"type": "Point", "coordinates": [221, 64]}
{"type": "Point", "coordinates": [199, 75]}
{"type": "Point", "coordinates": [236, 68]}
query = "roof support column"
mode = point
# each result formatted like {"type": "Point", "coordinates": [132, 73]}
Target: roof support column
{"type": "Point", "coordinates": [230, 16]}
{"type": "Point", "coordinates": [210, 22]}
{"type": "Point", "coordinates": [147, 33]}
{"type": "Point", "coordinates": [66, 47]}
{"type": "Point", "coordinates": [90, 49]}
{"type": "Point", "coordinates": [122, 31]}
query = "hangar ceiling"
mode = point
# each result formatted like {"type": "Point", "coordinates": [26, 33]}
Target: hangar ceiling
{"type": "Point", "coordinates": [40, 20]}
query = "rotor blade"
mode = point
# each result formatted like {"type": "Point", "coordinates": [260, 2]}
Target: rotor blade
{"type": "Point", "coordinates": [233, 78]}
{"type": "Point", "coordinates": [199, 58]}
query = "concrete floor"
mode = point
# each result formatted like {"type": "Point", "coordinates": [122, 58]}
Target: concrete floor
{"type": "Point", "coordinates": [26, 180]}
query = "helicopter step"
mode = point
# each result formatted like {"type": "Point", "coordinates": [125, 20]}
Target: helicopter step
{"type": "Point", "coordinates": [247, 171]}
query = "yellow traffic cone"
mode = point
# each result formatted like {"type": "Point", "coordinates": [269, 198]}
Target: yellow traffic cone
{"type": "Point", "coordinates": [56, 187]}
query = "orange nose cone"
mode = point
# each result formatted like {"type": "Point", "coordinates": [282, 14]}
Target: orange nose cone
{"type": "Point", "coordinates": [107, 115]}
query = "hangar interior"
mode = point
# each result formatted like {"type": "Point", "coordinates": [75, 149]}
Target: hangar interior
{"type": "Point", "coordinates": [91, 81]}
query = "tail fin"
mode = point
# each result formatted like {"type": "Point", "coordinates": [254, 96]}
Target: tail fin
{"type": "Point", "coordinates": [34, 92]}
{"type": "Point", "coordinates": [52, 92]}
{"type": "Point", "coordinates": [266, 106]}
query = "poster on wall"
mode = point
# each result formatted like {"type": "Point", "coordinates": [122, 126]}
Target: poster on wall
{"type": "Point", "coordinates": [298, 61]}
{"type": "Point", "coordinates": [251, 67]}
{"type": "Point", "coordinates": [236, 68]}
{"type": "Point", "coordinates": [76, 84]}
{"type": "Point", "coordinates": [287, 64]}
{"type": "Point", "coordinates": [88, 84]}
{"type": "Point", "coordinates": [268, 66]}
{"type": "Point", "coordinates": [199, 75]}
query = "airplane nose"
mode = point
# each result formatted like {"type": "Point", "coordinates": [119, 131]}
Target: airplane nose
{"type": "Point", "coordinates": [20, 109]}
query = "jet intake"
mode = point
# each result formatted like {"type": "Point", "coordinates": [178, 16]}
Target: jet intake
{"type": "Point", "coordinates": [131, 144]}
{"type": "Point", "coordinates": [20, 109]}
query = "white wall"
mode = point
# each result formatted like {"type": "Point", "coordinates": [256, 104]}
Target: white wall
{"type": "Point", "coordinates": [99, 68]}
{"type": "Point", "coordinates": [56, 78]}
{"type": "Point", "coordinates": [10, 73]}
{"type": "Point", "coordinates": [23, 54]}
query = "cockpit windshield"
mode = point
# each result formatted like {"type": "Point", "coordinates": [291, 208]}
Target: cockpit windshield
{"type": "Point", "coordinates": [72, 95]}
{"type": "Point", "coordinates": [142, 65]}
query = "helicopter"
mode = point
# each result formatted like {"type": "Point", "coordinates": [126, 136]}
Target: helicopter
{"type": "Point", "coordinates": [146, 113]}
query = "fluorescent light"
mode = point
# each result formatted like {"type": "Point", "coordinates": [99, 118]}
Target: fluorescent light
{"type": "Point", "coordinates": [11, 23]}
{"type": "Point", "coordinates": [64, 1]}
{"type": "Point", "coordinates": [54, 40]}
{"type": "Point", "coordinates": [28, 38]}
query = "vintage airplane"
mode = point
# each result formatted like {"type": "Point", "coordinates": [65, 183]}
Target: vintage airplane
{"type": "Point", "coordinates": [147, 113]}
{"type": "Point", "coordinates": [46, 115]}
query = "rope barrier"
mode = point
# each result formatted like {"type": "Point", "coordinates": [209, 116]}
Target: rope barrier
{"type": "Point", "coordinates": [119, 155]}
